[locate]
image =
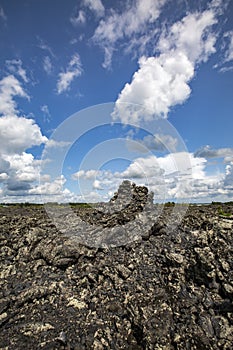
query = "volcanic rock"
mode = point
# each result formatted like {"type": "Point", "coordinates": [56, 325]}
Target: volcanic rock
{"type": "Point", "coordinates": [168, 288]}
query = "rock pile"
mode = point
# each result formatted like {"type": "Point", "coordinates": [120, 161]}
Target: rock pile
{"type": "Point", "coordinates": [166, 291]}
{"type": "Point", "coordinates": [129, 216]}
{"type": "Point", "coordinates": [123, 207]}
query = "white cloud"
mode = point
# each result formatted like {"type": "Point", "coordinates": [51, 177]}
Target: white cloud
{"type": "Point", "coordinates": [89, 174]}
{"type": "Point", "coordinates": [160, 142]}
{"type": "Point", "coordinates": [21, 173]}
{"type": "Point", "coordinates": [46, 112]}
{"type": "Point", "coordinates": [18, 134]}
{"type": "Point", "coordinates": [52, 143]}
{"type": "Point", "coordinates": [97, 185]}
{"type": "Point", "coordinates": [143, 168]}
{"type": "Point", "coordinates": [16, 67]}
{"type": "Point", "coordinates": [73, 71]}
{"type": "Point", "coordinates": [79, 18]}
{"type": "Point", "coordinates": [192, 36]}
{"type": "Point", "coordinates": [10, 87]}
{"type": "Point", "coordinates": [162, 82]}
{"type": "Point", "coordinates": [132, 21]}
{"type": "Point", "coordinates": [19, 170]}
{"type": "Point", "coordinates": [3, 176]}
{"type": "Point", "coordinates": [23, 167]}
{"type": "Point", "coordinates": [4, 165]}
{"type": "Point", "coordinates": [54, 187]}
{"type": "Point", "coordinates": [47, 65]}
{"type": "Point", "coordinates": [178, 176]}
{"type": "Point", "coordinates": [228, 182]}
{"type": "Point", "coordinates": [96, 6]}
{"type": "Point", "coordinates": [208, 152]}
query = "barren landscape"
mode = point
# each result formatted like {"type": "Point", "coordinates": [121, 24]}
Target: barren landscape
{"type": "Point", "coordinates": [171, 289]}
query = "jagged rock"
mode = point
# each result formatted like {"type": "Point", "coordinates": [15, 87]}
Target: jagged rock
{"type": "Point", "coordinates": [156, 287]}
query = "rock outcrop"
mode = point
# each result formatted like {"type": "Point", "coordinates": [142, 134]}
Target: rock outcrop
{"type": "Point", "coordinates": [165, 291]}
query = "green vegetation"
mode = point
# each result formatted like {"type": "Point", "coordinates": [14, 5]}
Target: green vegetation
{"type": "Point", "coordinates": [223, 213]}
{"type": "Point", "coordinates": [169, 204]}
{"type": "Point", "coordinates": [80, 205]}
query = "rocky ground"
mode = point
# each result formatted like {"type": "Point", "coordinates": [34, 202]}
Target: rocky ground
{"type": "Point", "coordinates": [169, 287]}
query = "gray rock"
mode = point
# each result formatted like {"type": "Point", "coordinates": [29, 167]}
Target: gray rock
{"type": "Point", "coordinates": [141, 287]}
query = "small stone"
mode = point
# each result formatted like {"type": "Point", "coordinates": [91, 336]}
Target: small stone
{"type": "Point", "coordinates": [76, 303]}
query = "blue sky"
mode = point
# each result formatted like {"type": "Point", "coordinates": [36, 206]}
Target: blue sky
{"type": "Point", "coordinates": [158, 73]}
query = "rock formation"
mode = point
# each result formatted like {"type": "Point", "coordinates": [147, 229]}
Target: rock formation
{"type": "Point", "coordinates": [165, 291]}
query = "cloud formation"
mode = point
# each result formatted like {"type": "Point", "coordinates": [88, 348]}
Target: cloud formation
{"type": "Point", "coordinates": [15, 66]}
{"type": "Point", "coordinates": [178, 175]}
{"type": "Point", "coordinates": [18, 134]}
{"type": "Point", "coordinates": [78, 18]}
{"type": "Point", "coordinates": [10, 87]}
{"type": "Point", "coordinates": [162, 82]}
{"type": "Point", "coordinates": [208, 152]}
{"type": "Point", "coordinates": [73, 71]}
{"type": "Point", "coordinates": [18, 169]}
{"type": "Point", "coordinates": [134, 20]}
{"type": "Point", "coordinates": [95, 6]}
{"type": "Point", "coordinates": [46, 113]}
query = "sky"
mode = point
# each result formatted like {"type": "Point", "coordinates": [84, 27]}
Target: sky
{"type": "Point", "coordinates": [93, 92]}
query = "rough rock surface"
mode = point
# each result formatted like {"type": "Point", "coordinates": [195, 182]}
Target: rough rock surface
{"type": "Point", "coordinates": [168, 290]}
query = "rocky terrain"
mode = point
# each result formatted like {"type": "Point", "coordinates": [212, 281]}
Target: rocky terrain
{"type": "Point", "coordinates": [161, 286]}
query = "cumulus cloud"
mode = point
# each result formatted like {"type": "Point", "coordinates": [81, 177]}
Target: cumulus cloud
{"type": "Point", "coordinates": [19, 170]}
{"type": "Point", "coordinates": [97, 185]}
{"type": "Point", "coordinates": [228, 181]}
{"type": "Point", "coordinates": [143, 168]}
{"type": "Point", "coordinates": [162, 82]}
{"type": "Point", "coordinates": [89, 174]}
{"type": "Point", "coordinates": [18, 134]}
{"type": "Point", "coordinates": [160, 142]}
{"type": "Point", "coordinates": [192, 36]}
{"type": "Point", "coordinates": [49, 188]}
{"type": "Point", "coordinates": [10, 87]}
{"type": "Point", "coordinates": [73, 71]}
{"type": "Point", "coordinates": [178, 175]}
{"type": "Point", "coordinates": [96, 6]}
{"type": "Point", "coordinates": [23, 166]}
{"type": "Point", "coordinates": [127, 24]}
{"type": "Point", "coordinates": [4, 166]}
{"type": "Point", "coordinates": [208, 152]}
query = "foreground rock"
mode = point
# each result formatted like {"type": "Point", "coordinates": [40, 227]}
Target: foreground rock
{"type": "Point", "coordinates": [168, 290]}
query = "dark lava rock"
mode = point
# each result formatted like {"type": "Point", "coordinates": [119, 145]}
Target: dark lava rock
{"type": "Point", "coordinates": [166, 290]}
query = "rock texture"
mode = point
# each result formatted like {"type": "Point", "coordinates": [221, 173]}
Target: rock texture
{"type": "Point", "coordinates": [128, 217]}
{"type": "Point", "coordinates": [168, 290]}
